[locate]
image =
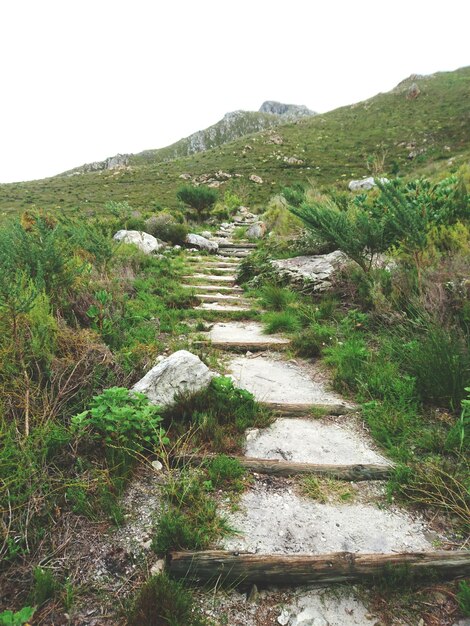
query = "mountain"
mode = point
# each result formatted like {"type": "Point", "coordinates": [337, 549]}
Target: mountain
{"type": "Point", "coordinates": [421, 126]}
{"type": "Point", "coordinates": [232, 126]}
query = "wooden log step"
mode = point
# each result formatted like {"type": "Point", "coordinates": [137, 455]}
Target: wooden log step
{"type": "Point", "coordinates": [244, 346]}
{"type": "Point", "coordinates": [276, 467]}
{"type": "Point", "coordinates": [213, 297]}
{"type": "Point", "coordinates": [264, 570]}
{"type": "Point", "coordinates": [307, 410]}
{"type": "Point", "coordinates": [237, 246]}
{"type": "Point", "coordinates": [216, 288]}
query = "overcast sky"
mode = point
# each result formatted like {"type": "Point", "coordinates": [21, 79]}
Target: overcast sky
{"type": "Point", "coordinates": [83, 80]}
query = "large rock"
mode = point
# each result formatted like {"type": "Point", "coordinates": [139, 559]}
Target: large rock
{"type": "Point", "coordinates": [147, 243]}
{"type": "Point", "coordinates": [179, 374]}
{"type": "Point", "coordinates": [256, 231]}
{"type": "Point", "coordinates": [365, 183]}
{"type": "Point", "coordinates": [202, 243]}
{"type": "Point", "coordinates": [316, 270]}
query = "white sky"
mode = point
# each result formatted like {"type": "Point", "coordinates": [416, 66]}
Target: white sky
{"type": "Point", "coordinates": [85, 79]}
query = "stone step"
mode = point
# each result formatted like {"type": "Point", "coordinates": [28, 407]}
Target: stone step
{"type": "Point", "coordinates": [244, 336]}
{"type": "Point", "coordinates": [238, 246]}
{"type": "Point", "coordinates": [216, 306]}
{"type": "Point", "coordinates": [217, 288]}
{"type": "Point", "coordinates": [214, 268]}
{"type": "Point", "coordinates": [285, 383]}
{"type": "Point", "coordinates": [219, 297]}
{"type": "Point", "coordinates": [212, 278]}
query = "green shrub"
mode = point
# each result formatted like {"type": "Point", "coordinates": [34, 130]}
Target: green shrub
{"type": "Point", "coordinates": [118, 417]}
{"type": "Point", "coordinates": [311, 341]}
{"type": "Point", "coordinates": [164, 226]}
{"type": "Point", "coordinates": [281, 321]}
{"type": "Point", "coordinates": [348, 359]}
{"type": "Point", "coordinates": [438, 358]}
{"type": "Point", "coordinates": [164, 602]}
{"type": "Point", "coordinates": [45, 585]}
{"type": "Point", "coordinates": [192, 521]}
{"type": "Point", "coordinates": [222, 413]}
{"type": "Point", "coordinates": [226, 473]}
{"type": "Point", "coordinates": [276, 298]}
{"type": "Point", "coordinates": [199, 198]}
{"type": "Point", "coordinates": [463, 597]}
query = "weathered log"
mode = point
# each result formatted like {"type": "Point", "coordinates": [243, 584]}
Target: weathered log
{"type": "Point", "coordinates": [276, 467]}
{"type": "Point", "coordinates": [306, 410]}
{"type": "Point", "coordinates": [237, 246]}
{"type": "Point", "coordinates": [244, 346]}
{"type": "Point", "coordinates": [264, 570]}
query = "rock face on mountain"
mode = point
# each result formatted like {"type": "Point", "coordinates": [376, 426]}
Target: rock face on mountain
{"type": "Point", "coordinates": [118, 161]}
{"type": "Point", "coordinates": [287, 111]}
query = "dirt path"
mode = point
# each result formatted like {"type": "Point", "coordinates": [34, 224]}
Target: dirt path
{"type": "Point", "coordinates": [274, 516]}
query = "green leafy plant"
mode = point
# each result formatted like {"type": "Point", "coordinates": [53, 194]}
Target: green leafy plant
{"type": "Point", "coordinates": [463, 597]}
{"type": "Point", "coordinates": [9, 618]}
{"type": "Point", "coordinates": [123, 418]}
{"type": "Point", "coordinates": [226, 473]}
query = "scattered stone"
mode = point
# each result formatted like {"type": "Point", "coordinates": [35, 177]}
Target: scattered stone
{"type": "Point", "coordinates": [180, 373]}
{"type": "Point", "coordinates": [185, 176]}
{"type": "Point", "coordinates": [365, 183]}
{"type": "Point", "coordinates": [256, 231]}
{"type": "Point", "coordinates": [253, 595]}
{"type": "Point", "coordinates": [202, 243]}
{"type": "Point", "coordinates": [206, 234]}
{"type": "Point", "coordinates": [145, 242]}
{"type": "Point", "coordinates": [256, 179]}
{"type": "Point", "coordinates": [158, 567]}
{"type": "Point", "coordinates": [413, 92]}
{"type": "Point", "coordinates": [317, 270]}
{"type": "Point", "coordinates": [293, 160]}
{"type": "Point", "coordinates": [283, 618]}
{"type": "Point", "coordinates": [157, 466]}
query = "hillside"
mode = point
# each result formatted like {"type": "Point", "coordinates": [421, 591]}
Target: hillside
{"type": "Point", "coordinates": [421, 125]}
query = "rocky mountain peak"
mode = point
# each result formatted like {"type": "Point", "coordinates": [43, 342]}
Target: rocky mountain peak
{"type": "Point", "coordinates": [288, 111]}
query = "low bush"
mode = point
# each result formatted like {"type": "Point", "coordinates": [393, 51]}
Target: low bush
{"type": "Point", "coordinates": [311, 341]}
{"type": "Point", "coordinates": [275, 298]}
{"type": "Point", "coordinates": [226, 473]}
{"type": "Point", "coordinates": [281, 321]}
{"type": "Point", "coordinates": [162, 601]}
{"type": "Point", "coordinates": [463, 597]}
{"type": "Point", "coordinates": [164, 226]}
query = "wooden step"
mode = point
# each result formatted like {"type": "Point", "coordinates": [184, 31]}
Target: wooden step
{"type": "Point", "coordinates": [307, 410]}
{"type": "Point", "coordinates": [276, 467]}
{"type": "Point", "coordinates": [244, 346]}
{"type": "Point", "coordinates": [213, 297]}
{"type": "Point", "coordinates": [237, 246]}
{"type": "Point", "coordinates": [264, 570]}
{"type": "Point", "coordinates": [217, 288]}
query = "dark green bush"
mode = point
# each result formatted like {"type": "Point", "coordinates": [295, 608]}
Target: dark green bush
{"type": "Point", "coordinates": [164, 602]}
{"type": "Point", "coordinates": [201, 198]}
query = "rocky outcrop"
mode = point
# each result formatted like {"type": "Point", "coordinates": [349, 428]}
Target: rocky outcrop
{"type": "Point", "coordinates": [202, 243]}
{"type": "Point", "coordinates": [145, 242]}
{"type": "Point", "coordinates": [256, 231]}
{"type": "Point", "coordinates": [116, 162]}
{"type": "Point", "coordinates": [317, 271]}
{"type": "Point", "coordinates": [365, 183]}
{"type": "Point", "coordinates": [182, 373]}
{"type": "Point", "coordinates": [287, 111]}
{"type": "Point", "coordinates": [413, 92]}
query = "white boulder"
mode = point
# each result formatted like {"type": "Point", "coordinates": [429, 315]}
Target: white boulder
{"type": "Point", "coordinates": [256, 231]}
{"type": "Point", "coordinates": [316, 270]}
{"type": "Point", "coordinates": [202, 243]}
{"type": "Point", "coordinates": [365, 183]}
{"type": "Point", "coordinates": [179, 374]}
{"type": "Point", "coordinates": [145, 242]}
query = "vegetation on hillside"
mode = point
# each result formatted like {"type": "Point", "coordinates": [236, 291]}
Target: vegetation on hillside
{"type": "Point", "coordinates": [385, 134]}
